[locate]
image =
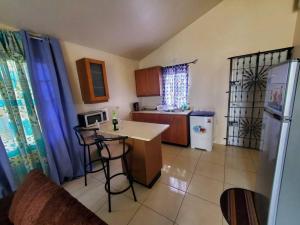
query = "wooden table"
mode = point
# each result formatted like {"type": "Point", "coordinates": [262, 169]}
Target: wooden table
{"type": "Point", "coordinates": [145, 159]}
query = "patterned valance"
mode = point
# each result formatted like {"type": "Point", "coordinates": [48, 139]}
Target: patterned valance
{"type": "Point", "coordinates": [11, 47]}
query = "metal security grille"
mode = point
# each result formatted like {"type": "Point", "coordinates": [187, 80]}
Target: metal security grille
{"type": "Point", "coordinates": [247, 84]}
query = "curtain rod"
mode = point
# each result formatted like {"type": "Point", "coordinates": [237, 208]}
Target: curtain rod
{"type": "Point", "coordinates": [36, 36]}
{"type": "Point", "coordinates": [191, 62]}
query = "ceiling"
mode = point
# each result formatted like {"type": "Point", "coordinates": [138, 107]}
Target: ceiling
{"type": "Point", "coordinates": [129, 28]}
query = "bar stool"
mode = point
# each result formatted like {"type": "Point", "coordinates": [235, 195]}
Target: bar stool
{"type": "Point", "coordinates": [86, 140]}
{"type": "Point", "coordinates": [112, 149]}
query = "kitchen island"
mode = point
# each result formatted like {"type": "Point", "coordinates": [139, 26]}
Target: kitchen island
{"type": "Point", "coordinates": [145, 159]}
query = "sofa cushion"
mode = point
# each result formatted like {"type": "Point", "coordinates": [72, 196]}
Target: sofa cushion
{"type": "Point", "coordinates": [40, 201]}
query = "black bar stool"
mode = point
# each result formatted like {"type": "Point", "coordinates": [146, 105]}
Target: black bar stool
{"type": "Point", "coordinates": [112, 149]}
{"type": "Point", "coordinates": [87, 140]}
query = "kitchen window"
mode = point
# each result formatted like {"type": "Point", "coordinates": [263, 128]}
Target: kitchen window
{"type": "Point", "coordinates": [175, 85]}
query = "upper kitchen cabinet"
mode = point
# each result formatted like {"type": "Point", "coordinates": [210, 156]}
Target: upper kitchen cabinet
{"type": "Point", "coordinates": [148, 81]}
{"type": "Point", "coordinates": [93, 80]}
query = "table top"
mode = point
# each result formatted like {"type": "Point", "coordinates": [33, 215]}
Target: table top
{"type": "Point", "coordinates": [136, 130]}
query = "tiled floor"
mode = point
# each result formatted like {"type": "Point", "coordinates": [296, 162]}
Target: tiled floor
{"type": "Point", "coordinates": [187, 193]}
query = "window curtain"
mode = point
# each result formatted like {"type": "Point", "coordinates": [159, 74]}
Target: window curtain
{"type": "Point", "coordinates": [55, 105]}
{"type": "Point", "coordinates": [22, 147]}
{"type": "Point", "coordinates": [175, 85]}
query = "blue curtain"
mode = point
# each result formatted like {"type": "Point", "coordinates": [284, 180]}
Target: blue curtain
{"type": "Point", "coordinates": [22, 146]}
{"type": "Point", "coordinates": [55, 106]}
{"type": "Point", "coordinates": [175, 85]}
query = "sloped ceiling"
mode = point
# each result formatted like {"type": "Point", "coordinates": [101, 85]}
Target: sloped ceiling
{"type": "Point", "coordinates": [129, 28]}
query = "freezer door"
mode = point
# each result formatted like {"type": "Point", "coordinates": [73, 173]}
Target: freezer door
{"type": "Point", "coordinates": [201, 132]}
{"type": "Point", "coordinates": [270, 167]}
{"type": "Point", "coordinates": [281, 87]}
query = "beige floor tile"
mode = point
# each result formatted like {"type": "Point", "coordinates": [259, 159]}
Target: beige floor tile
{"type": "Point", "coordinates": [219, 148]}
{"type": "Point", "coordinates": [170, 150]}
{"type": "Point", "coordinates": [76, 187]}
{"type": "Point", "coordinates": [165, 200]}
{"type": "Point", "coordinates": [93, 198]}
{"type": "Point", "coordinates": [195, 211]}
{"type": "Point", "coordinates": [141, 192]}
{"type": "Point", "coordinates": [185, 163]}
{"type": "Point", "coordinates": [175, 177]}
{"type": "Point", "coordinates": [189, 152]}
{"type": "Point", "coordinates": [123, 210]}
{"type": "Point", "coordinates": [241, 179]}
{"type": "Point", "coordinates": [206, 188]}
{"type": "Point", "coordinates": [238, 152]}
{"type": "Point", "coordinates": [211, 170]}
{"type": "Point", "coordinates": [168, 159]}
{"type": "Point", "coordinates": [146, 216]}
{"type": "Point", "coordinates": [213, 157]}
{"type": "Point", "coordinates": [225, 222]}
{"type": "Point", "coordinates": [229, 186]}
{"type": "Point", "coordinates": [244, 164]}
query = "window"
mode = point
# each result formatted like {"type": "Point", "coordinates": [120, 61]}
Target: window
{"type": "Point", "coordinates": [175, 85]}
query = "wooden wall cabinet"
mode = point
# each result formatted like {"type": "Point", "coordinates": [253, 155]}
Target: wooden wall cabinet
{"type": "Point", "coordinates": [177, 133]}
{"type": "Point", "coordinates": [93, 80]}
{"type": "Point", "coordinates": [148, 81]}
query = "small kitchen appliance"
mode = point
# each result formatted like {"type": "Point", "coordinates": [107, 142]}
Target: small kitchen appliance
{"type": "Point", "coordinates": [88, 119]}
{"type": "Point", "coordinates": [201, 129]}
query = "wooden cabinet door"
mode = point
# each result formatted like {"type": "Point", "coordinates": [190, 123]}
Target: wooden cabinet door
{"type": "Point", "coordinates": [93, 80]}
{"type": "Point", "coordinates": [178, 131]}
{"type": "Point", "coordinates": [154, 81]}
{"type": "Point", "coordinates": [140, 82]}
{"type": "Point", "coordinates": [148, 81]}
{"type": "Point", "coordinates": [167, 134]}
{"type": "Point", "coordinates": [181, 130]}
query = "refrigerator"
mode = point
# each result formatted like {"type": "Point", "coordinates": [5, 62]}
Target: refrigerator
{"type": "Point", "coordinates": [277, 198]}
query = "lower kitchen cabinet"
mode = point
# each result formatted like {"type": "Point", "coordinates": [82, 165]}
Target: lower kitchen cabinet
{"type": "Point", "coordinates": [177, 133]}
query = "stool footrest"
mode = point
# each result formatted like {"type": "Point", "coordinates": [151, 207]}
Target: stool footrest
{"type": "Point", "coordinates": [116, 192]}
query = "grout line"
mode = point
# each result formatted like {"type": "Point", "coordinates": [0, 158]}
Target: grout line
{"type": "Point", "coordinates": [158, 213]}
{"type": "Point", "coordinates": [134, 214]}
{"type": "Point", "coordinates": [186, 192]}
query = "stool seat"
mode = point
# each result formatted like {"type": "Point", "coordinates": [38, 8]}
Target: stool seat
{"type": "Point", "coordinates": [91, 140]}
{"type": "Point", "coordinates": [115, 151]}
{"type": "Point", "coordinates": [238, 207]}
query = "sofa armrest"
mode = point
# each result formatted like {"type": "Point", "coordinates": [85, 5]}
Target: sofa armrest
{"type": "Point", "coordinates": [4, 209]}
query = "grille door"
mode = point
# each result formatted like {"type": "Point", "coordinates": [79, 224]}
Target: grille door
{"type": "Point", "coordinates": [247, 85]}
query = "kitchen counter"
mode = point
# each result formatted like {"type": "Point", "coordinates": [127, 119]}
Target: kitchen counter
{"type": "Point", "coordinates": [136, 130]}
{"type": "Point", "coordinates": [185, 112]}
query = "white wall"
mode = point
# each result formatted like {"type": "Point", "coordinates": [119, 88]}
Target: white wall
{"type": "Point", "coordinates": [120, 78]}
{"type": "Point", "coordinates": [233, 27]}
{"type": "Point", "coordinates": [297, 37]}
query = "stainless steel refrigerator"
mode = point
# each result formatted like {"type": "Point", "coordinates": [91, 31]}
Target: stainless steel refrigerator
{"type": "Point", "coordinates": [278, 177]}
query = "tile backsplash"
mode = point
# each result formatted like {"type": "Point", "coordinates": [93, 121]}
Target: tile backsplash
{"type": "Point", "coordinates": [150, 102]}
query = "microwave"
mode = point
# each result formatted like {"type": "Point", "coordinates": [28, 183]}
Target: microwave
{"type": "Point", "coordinates": [89, 119]}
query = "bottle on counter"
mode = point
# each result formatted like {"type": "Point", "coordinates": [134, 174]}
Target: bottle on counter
{"type": "Point", "coordinates": [115, 121]}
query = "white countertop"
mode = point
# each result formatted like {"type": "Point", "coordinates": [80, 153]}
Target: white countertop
{"type": "Point", "coordinates": [136, 130]}
{"type": "Point", "coordinates": [186, 112]}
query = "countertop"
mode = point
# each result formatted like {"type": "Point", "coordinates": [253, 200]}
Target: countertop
{"type": "Point", "coordinates": [186, 112]}
{"type": "Point", "coordinates": [136, 130]}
